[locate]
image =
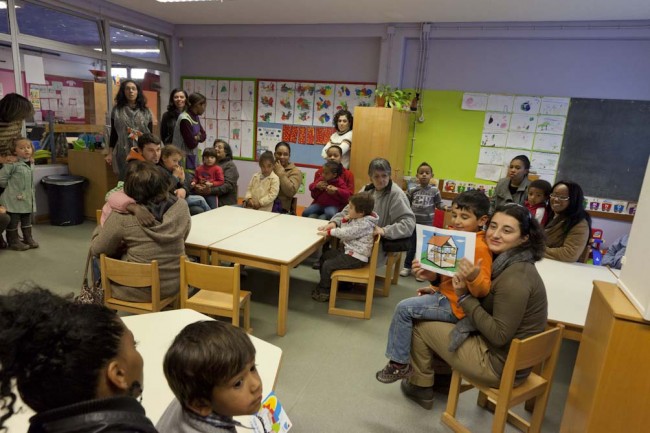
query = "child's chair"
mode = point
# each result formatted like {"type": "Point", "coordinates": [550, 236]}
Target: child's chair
{"type": "Point", "coordinates": [218, 293]}
{"type": "Point", "coordinates": [534, 351]}
{"type": "Point", "coordinates": [364, 275]}
{"type": "Point", "coordinates": [136, 275]}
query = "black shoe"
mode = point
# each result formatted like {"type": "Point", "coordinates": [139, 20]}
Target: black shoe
{"type": "Point", "coordinates": [419, 394]}
{"type": "Point", "coordinates": [316, 265]}
{"type": "Point", "coordinates": [442, 383]}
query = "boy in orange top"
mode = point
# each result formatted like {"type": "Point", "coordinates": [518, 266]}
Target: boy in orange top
{"type": "Point", "coordinates": [440, 303]}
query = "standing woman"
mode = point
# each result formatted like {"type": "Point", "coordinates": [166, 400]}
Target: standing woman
{"type": "Point", "coordinates": [514, 187]}
{"type": "Point", "coordinates": [342, 137]}
{"type": "Point", "coordinates": [227, 192]}
{"type": "Point", "coordinates": [567, 234]}
{"type": "Point", "coordinates": [290, 177]}
{"type": "Point", "coordinates": [130, 119]}
{"type": "Point", "coordinates": [75, 365]}
{"type": "Point", "coordinates": [177, 101]}
{"type": "Point", "coordinates": [188, 132]}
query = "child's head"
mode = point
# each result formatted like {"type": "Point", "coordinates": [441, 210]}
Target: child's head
{"type": "Point", "coordinates": [361, 204]}
{"type": "Point", "coordinates": [149, 146]}
{"type": "Point", "coordinates": [424, 174]}
{"type": "Point", "coordinates": [266, 163]}
{"type": "Point", "coordinates": [145, 183]}
{"type": "Point", "coordinates": [343, 121]}
{"type": "Point", "coordinates": [209, 157]}
{"type": "Point", "coordinates": [196, 103]}
{"type": "Point", "coordinates": [22, 148]}
{"type": "Point", "coordinates": [469, 211]}
{"type": "Point", "coordinates": [331, 170]}
{"type": "Point", "coordinates": [210, 367]}
{"type": "Point", "coordinates": [171, 156]}
{"type": "Point", "coordinates": [539, 191]}
{"type": "Point", "coordinates": [334, 153]}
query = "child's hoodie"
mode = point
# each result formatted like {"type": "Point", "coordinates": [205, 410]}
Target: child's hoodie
{"type": "Point", "coordinates": [357, 235]}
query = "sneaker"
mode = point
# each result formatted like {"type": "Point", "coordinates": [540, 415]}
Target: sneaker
{"type": "Point", "coordinates": [405, 272]}
{"type": "Point", "coordinates": [419, 394]}
{"type": "Point", "coordinates": [392, 373]}
{"type": "Point", "coordinates": [319, 296]}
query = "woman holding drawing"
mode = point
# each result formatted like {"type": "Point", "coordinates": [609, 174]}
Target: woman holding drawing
{"type": "Point", "coordinates": [516, 307]}
{"type": "Point", "coordinates": [514, 187]}
{"type": "Point", "coordinates": [568, 233]}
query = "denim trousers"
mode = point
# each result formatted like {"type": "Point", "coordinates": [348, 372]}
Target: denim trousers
{"type": "Point", "coordinates": [321, 212]}
{"type": "Point", "coordinates": [198, 201]}
{"type": "Point", "coordinates": [434, 307]}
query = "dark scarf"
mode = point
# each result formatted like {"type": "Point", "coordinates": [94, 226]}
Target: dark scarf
{"type": "Point", "coordinates": [510, 257]}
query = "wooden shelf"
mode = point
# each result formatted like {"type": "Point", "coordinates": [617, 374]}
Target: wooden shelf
{"type": "Point", "coordinates": [71, 127]}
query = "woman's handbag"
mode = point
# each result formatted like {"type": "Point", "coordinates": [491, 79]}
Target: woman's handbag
{"type": "Point", "coordinates": [90, 294]}
{"type": "Point", "coordinates": [395, 245]}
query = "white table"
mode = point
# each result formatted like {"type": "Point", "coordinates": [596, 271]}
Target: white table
{"type": "Point", "coordinates": [568, 289]}
{"type": "Point", "coordinates": [154, 333]}
{"type": "Point", "coordinates": [277, 244]}
{"type": "Point", "coordinates": [221, 223]}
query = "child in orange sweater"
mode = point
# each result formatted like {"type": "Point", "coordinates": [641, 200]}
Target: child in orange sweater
{"type": "Point", "coordinates": [440, 303]}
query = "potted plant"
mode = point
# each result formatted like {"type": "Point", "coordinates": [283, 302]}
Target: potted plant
{"type": "Point", "coordinates": [386, 96]}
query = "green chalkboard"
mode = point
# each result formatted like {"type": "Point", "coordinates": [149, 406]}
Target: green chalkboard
{"type": "Point", "coordinates": [606, 147]}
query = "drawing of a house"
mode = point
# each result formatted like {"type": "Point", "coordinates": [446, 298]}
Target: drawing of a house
{"type": "Point", "coordinates": [442, 251]}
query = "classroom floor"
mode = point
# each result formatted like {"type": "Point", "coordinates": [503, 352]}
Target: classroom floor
{"type": "Point", "coordinates": [327, 378]}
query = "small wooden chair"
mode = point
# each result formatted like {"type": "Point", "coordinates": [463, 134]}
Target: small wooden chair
{"type": "Point", "coordinates": [137, 275]}
{"type": "Point", "coordinates": [365, 275]}
{"type": "Point", "coordinates": [534, 351]}
{"type": "Point", "coordinates": [391, 276]}
{"type": "Point", "coordinates": [219, 292]}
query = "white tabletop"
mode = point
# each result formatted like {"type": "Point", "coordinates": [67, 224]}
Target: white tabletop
{"type": "Point", "coordinates": [154, 333]}
{"type": "Point", "coordinates": [280, 239]}
{"type": "Point", "coordinates": [569, 287]}
{"type": "Point", "coordinates": [221, 223]}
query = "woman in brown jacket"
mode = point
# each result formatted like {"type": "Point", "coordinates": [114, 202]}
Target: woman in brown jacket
{"type": "Point", "coordinates": [567, 234]}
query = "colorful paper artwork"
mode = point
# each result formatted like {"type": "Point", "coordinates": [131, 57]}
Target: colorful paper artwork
{"type": "Point", "coordinates": [267, 138]}
{"type": "Point", "coordinates": [211, 89]}
{"type": "Point", "coordinates": [248, 91]}
{"type": "Point", "coordinates": [526, 104]}
{"type": "Point", "coordinates": [235, 91]}
{"type": "Point", "coordinates": [493, 139]}
{"type": "Point", "coordinates": [441, 250]}
{"type": "Point", "coordinates": [496, 122]}
{"type": "Point", "coordinates": [235, 110]}
{"type": "Point", "coordinates": [523, 122]}
{"type": "Point", "coordinates": [271, 417]}
{"type": "Point", "coordinates": [555, 106]}
{"type": "Point", "coordinates": [548, 143]}
{"type": "Point", "coordinates": [520, 140]}
{"type": "Point", "coordinates": [199, 87]}
{"type": "Point", "coordinates": [500, 103]}
{"type": "Point", "coordinates": [223, 108]}
{"type": "Point", "coordinates": [475, 101]}
{"type": "Point", "coordinates": [551, 124]}
{"type": "Point", "coordinates": [224, 89]}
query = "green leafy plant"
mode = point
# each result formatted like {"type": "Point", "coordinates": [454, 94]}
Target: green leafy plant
{"type": "Point", "coordinates": [387, 96]}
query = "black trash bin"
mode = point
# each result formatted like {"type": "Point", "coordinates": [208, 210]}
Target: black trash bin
{"type": "Point", "coordinates": [65, 197]}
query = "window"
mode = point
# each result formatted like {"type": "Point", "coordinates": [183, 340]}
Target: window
{"type": "Point", "coordinates": [4, 20]}
{"type": "Point", "coordinates": [139, 45]}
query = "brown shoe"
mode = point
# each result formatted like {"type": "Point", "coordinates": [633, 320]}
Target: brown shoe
{"type": "Point", "coordinates": [392, 373]}
{"type": "Point", "coordinates": [14, 241]}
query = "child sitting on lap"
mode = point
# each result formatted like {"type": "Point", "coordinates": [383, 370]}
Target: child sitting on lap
{"type": "Point", "coordinates": [469, 212]}
{"type": "Point", "coordinates": [356, 233]}
{"type": "Point", "coordinates": [329, 191]}
{"type": "Point", "coordinates": [207, 176]}
{"type": "Point", "coordinates": [539, 194]}
{"type": "Point", "coordinates": [264, 186]}
{"type": "Point", "coordinates": [210, 367]}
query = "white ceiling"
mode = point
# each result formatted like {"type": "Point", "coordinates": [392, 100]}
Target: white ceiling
{"type": "Point", "coordinates": [387, 11]}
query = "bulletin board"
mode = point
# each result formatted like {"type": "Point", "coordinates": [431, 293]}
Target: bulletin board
{"type": "Point", "coordinates": [230, 111]}
{"type": "Point", "coordinates": [61, 96]}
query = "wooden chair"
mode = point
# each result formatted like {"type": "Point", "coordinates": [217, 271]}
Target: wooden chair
{"type": "Point", "coordinates": [137, 275]}
{"type": "Point", "coordinates": [219, 292]}
{"type": "Point", "coordinates": [365, 275]}
{"type": "Point", "coordinates": [98, 216]}
{"type": "Point", "coordinates": [534, 351]}
{"type": "Point", "coordinates": [391, 276]}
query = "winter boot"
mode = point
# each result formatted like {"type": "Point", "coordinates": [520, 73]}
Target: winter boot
{"type": "Point", "coordinates": [14, 241]}
{"type": "Point", "coordinates": [28, 239]}
{"type": "Point", "coordinates": [3, 244]}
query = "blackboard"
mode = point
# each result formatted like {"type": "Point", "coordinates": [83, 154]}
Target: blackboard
{"type": "Point", "coordinates": [606, 147]}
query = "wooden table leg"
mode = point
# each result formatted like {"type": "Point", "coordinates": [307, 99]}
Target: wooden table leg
{"type": "Point", "coordinates": [283, 301]}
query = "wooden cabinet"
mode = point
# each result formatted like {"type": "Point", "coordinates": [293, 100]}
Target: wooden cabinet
{"type": "Point", "coordinates": [96, 102]}
{"type": "Point", "coordinates": [609, 390]}
{"type": "Point", "coordinates": [101, 178]}
{"type": "Point", "coordinates": [378, 132]}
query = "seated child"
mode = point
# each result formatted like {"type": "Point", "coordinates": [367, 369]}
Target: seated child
{"type": "Point", "coordinates": [264, 186]}
{"type": "Point", "coordinates": [539, 193]}
{"type": "Point", "coordinates": [206, 176]}
{"type": "Point", "coordinates": [210, 368]}
{"type": "Point", "coordinates": [425, 199]}
{"type": "Point", "coordinates": [170, 160]}
{"type": "Point", "coordinates": [616, 253]}
{"type": "Point", "coordinates": [356, 234]}
{"type": "Point", "coordinates": [469, 212]}
{"type": "Point", "coordinates": [335, 153]}
{"type": "Point", "coordinates": [329, 191]}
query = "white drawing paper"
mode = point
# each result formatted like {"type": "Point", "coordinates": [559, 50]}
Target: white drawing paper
{"type": "Point", "coordinates": [211, 89]}
{"type": "Point", "coordinates": [247, 139]}
{"type": "Point", "coordinates": [551, 124]}
{"type": "Point", "coordinates": [441, 250]}
{"type": "Point", "coordinates": [223, 89]}
{"type": "Point", "coordinates": [544, 161]}
{"type": "Point", "coordinates": [555, 106]}
{"type": "Point", "coordinates": [188, 86]}
{"type": "Point", "coordinates": [211, 109]}
{"type": "Point", "coordinates": [500, 103]}
{"type": "Point", "coordinates": [223, 129]}
{"type": "Point", "coordinates": [496, 122]}
{"type": "Point", "coordinates": [520, 140]}
{"type": "Point", "coordinates": [267, 138]}
{"type": "Point", "coordinates": [526, 104]}
{"type": "Point", "coordinates": [235, 110]}
{"type": "Point", "coordinates": [223, 109]}
{"type": "Point", "coordinates": [494, 139]}
{"type": "Point", "coordinates": [235, 90]}
{"type": "Point", "coordinates": [489, 172]}
{"type": "Point", "coordinates": [548, 142]}
{"type": "Point", "coordinates": [491, 155]}
{"type": "Point", "coordinates": [248, 110]}
{"type": "Point", "coordinates": [248, 91]}
{"type": "Point", "coordinates": [235, 137]}
{"type": "Point", "coordinates": [523, 122]}
{"type": "Point", "coordinates": [210, 130]}
{"type": "Point", "coordinates": [547, 175]}
{"type": "Point", "coordinates": [199, 87]}
{"type": "Point", "coordinates": [475, 101]}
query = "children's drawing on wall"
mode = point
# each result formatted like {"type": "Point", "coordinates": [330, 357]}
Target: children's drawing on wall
{"type": "Point", "coordinates": [475, 101]}
{"type": "Point", "coordinates": [224, 89]}
{"type": "Point", "coordinates": [267, 138]}
{"type": "Point", "coordinates": [491, 155]}
{"type": "Point", "coordinates": [199, 87]}
{"type": "Point", "coordinates": [248, 110]}
{"type": "Point", "coordinates": [554, 106]}
{"type": "Point", "coordinates": [223, 129]}
{"type": "Point", "coordinates": [551, 124]}
{"type": "Point", "coordinates": [235, 137]}
{"type": "Point", "coordinates": [188, 86]}
{"type": "Point", "coordinates": [488, 172]}
{"type": "Point", "coordinates": [324, 104]}
{"type": "Point", "coordinates": [548, 143]}
{"type": "Point", "coordinates": [305, 90]}
{"type": "Point", "coordinates": [211, 89]}
{"type": "Point", "coordinates": [235, 110]}
{"type": "Point", "coordinates": [210, 131]}
{"type": "Point", "coordinates": [223, 109]}
{"type": "Point", "coordinates": [545, 161]}
{"type": "Point", "coordinates": [211, 109]}
{"type": "Point", "coordinates": [248, 91]}
{"type": "Point", "coordinates": [500, 103]}
{"type": "Point", "coordinates": [526, 104]}
{"type": "Point", "coordinates": [496, 122]}
{"type": "Point", "coordinates": [441, 250]}
{"type": "Point", "coordinates": [493, 139]}
{"type": "Point", "coordinates": [247, 137]}
{"type": "Point", "coordinates": [235, 90]}
{"type": "Point", "coordinates": [523, 122]}
{"type": "Point", "coordinates": [520, 140]}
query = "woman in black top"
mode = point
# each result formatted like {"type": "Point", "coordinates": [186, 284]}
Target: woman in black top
{"type": "Point", "coordinates": [177, 103]}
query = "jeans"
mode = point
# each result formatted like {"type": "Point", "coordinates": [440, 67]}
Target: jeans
{"type": "Point", "coordinates": [212, 201]}
{"type": "Point", "coordinates": [321, 212]}
{"type": "Point", "coordinates": [434, 307]}
{"type": "Point", "coordinates": [198, 201]}
{"type": "Point", "coordinates": [410, 254]}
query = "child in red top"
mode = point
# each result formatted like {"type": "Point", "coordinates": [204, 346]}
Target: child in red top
{"type": "Point", "coordinates": [335, 153]}
{"type": "Point", "coordinates": [539, 193]}
{"type": "Point", "coordinates": [329, 191]}
{"type": "Point", "coordinates": [206, 176]}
